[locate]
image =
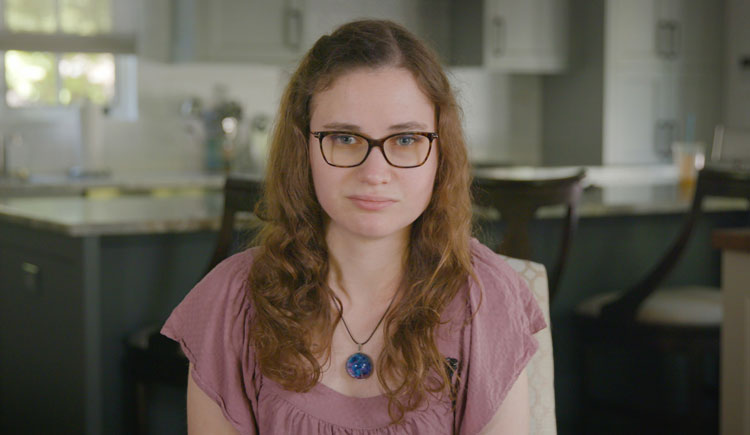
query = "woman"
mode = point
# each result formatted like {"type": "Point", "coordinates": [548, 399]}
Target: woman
{"type": "Point", "coordinates": [367, 307]}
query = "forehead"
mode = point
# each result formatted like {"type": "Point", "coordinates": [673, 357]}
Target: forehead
{"type": "Point", "coordinates": [372, 99]}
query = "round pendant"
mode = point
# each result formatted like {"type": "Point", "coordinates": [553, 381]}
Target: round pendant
{"type": "Point", "coordinates": [359, 366]}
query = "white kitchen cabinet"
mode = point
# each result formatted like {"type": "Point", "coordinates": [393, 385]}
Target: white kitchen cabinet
{"type": "Point", "coordinates": [323, 16]}
{"type": "Point", "coordinates": [272, 32]}
{"type": "Point", "coordinates": [661, 68]}
{"type": "Point", "coordinates": [238, 30]}
{"type": "Point", "coordinates": [525, 36]}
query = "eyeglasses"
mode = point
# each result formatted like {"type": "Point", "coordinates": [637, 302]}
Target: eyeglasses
{"type": "Point", "coordinates": [402, 150]}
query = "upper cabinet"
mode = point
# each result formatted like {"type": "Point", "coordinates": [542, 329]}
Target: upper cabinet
{"type": "Point", "coordinates": [237, 30]}
{"type": "Point", "coordinates": [525, 36]}
{"type": "Point", "coordinates": [269, 32]}
{"type": "Point", "coordinates": [514, 36]}
{"type": "Point", "coordinates": [663, 34]}
{"type": "Point", "coordinates": [662, 81]}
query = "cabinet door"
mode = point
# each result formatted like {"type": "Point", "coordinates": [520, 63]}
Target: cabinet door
{"type": "Point", "coordinates": [525, 35]}
{"type": "Point", "coordinates": [323, 16]}
{"type": "Point", "coordinates": [42, 385]}
{"type": "Point", "coordinates": [650, 34]}
{"type": "Point", "coordinates": [640, 119]}
{"type": "Point", "coordinates": [239, 30]}
{"type": "Point", "coordinates": [630, 32]}
{"type": "Point", "coordinates": [661, 70]}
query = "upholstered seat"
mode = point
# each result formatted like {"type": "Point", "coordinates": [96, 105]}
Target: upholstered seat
{"type": "Point", "coordinates": [540, 370]}
{"type": "Point", "coordinates": [689, 305]}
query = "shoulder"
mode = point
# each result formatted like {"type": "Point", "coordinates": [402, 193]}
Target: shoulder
{"type": "Point", "coordinates": [218, 304]}
{"type": "Point", "coordinates": [501, 288]}
{"type": "Point", "coordinates": [496, 278]}
{"type": "Point", "coordinates": [227, 281]}
{"type": "Point", "coordinates": [504, 318]}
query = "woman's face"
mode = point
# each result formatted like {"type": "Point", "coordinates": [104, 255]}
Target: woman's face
{"type": "Point", "coordinates": [374, 199]}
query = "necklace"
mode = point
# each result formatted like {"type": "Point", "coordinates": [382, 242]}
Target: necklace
{"type": "Point", "coordinates": [359, 365]}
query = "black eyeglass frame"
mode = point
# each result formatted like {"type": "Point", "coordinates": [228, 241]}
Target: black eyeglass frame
{"type": "Point", "coordinates": [372, 143]}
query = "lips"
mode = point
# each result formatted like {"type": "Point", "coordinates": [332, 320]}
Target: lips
{"type": "Point", "coordinates": [371, 203]}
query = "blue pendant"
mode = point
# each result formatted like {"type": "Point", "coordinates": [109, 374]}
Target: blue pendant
{"type": "Point", "coordinates": [359, 366]}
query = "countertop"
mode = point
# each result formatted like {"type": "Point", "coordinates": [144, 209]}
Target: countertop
{"type": "Point", "coordinates": [189, 210]}
{"type": "Point", "coordinates": [117, 183]}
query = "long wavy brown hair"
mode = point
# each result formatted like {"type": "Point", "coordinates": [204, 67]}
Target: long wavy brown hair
{"type": "Point", "coordinates": [289, 276]}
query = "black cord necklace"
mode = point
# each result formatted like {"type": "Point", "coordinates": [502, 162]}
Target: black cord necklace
{"type": "Point", "coordinates": [359, 365]}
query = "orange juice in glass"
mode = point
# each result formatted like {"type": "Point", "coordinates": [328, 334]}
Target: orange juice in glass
{"type": "Point", "coordinates": [688, 158]}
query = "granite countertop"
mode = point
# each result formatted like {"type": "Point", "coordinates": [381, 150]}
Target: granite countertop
{"type": "Point", "coordinates": [125, 214]}
{"type": "Point", "coordinates": [605, 194]}
{"type": "Point", "coordinates": [117, 183]}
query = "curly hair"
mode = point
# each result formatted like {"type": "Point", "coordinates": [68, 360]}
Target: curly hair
{"type": "Point", "coordinates": [293, 320]}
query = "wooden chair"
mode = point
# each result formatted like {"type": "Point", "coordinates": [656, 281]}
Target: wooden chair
{"type": "Point", "coordinates": [518, 196]}
{"type": "Point", "coordinates": [684, 321]}
{"type": "Point", "coordinates": [152, 358]}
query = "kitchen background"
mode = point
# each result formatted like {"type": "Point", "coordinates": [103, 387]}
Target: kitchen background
{"type": "Point", "coordinates": [542, 82]}
{"type": "Point", "coordinates": [523, 113]}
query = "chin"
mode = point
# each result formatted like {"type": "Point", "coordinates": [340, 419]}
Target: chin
{"type": "Point", "coordinates": [377, 231]}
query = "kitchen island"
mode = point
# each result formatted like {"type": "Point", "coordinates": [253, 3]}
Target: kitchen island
{"type": "Point", "coordinates": [78, 275]}
{"type": "Point", "coordinates": [81, 273]}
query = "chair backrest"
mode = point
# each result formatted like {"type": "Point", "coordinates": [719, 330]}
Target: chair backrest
{"type": "Point", "coordinates": [731, 146]}
{"type": "Point", "coordinates": [713, 181]}
{"type": "Point", "coordinates": [241, 193]}
{"type": "Point", "coordinates": [518, 198]}
{"type": "Point", "coordinates": [540, 369]}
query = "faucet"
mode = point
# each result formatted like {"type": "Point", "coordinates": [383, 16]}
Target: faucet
{"type": "Point", "coordinates": [6, 142]}
{"type": "Point", "coordinates": [4, 169]}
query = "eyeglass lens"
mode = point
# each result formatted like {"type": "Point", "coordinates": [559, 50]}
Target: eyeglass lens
{"type": "Point", "coordinates": [344, 149]}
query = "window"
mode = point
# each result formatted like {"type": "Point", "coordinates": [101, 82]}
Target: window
{"type": "Point", "coordinates": [61, 52]}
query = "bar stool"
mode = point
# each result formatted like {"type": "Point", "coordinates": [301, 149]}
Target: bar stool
{"type": "Point", "coordinates": [154, 359]}
{"type": "Point", "coordinates": [517, 193]}
{"type": "Point", "coordinates": [684, 321]}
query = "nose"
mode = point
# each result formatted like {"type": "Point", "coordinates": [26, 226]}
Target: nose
{"type": "Point", "coordinates": [375, 169]}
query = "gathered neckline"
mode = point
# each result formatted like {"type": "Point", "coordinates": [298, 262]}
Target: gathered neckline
{"type": "Point", "coordinates": [326, 389]}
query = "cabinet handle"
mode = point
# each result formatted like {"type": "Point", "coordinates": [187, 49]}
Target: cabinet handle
{"type": "Point", "coordinates": [30, 277]}
{"type": "Point", "coordinates": [498, 39]}
{"type": "Point", "coordinates": [293, 28]}
{"type": "Point", "coordinates": [674, 38]}
{"type": "Point", "coordinates": [664, 136]}
{"type": "Point", "coordinates": [662, 38]}
{"type": "Point", "coordinates": [668, 38]}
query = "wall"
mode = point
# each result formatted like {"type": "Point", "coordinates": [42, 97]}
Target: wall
{"type": "Point", "coordinates": [160, 140]}
{"type": "Point", "coordinates": [737, 96]}
{"type": "Point", "coordinates": [573, 101]}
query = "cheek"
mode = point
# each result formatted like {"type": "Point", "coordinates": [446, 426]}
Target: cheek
{"type": "Point", "coordinates": [424, 186]}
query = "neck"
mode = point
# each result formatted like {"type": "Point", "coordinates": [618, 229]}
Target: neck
{"type": "Point", "coordinates": [366, 271]}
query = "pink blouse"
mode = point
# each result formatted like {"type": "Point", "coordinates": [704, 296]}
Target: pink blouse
{"type": "Point", "coordinates": [491, 351]}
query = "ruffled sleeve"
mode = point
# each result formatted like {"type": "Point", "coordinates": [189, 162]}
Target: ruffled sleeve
{"type": "Point", "coordinates": [210, 324]}
{"type": "Point", "coordinates": [501, 340]}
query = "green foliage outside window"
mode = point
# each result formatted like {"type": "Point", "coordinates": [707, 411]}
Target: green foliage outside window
{"type": "Point", "coordinates": [43, 79]}
{"type": "Point", "coordinates": [30, 16]}
{"type": "Point", "coordinates": [85, 17]}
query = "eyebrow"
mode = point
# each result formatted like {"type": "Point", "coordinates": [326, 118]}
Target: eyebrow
{"type": "Point", "coordinates": [411, 125]}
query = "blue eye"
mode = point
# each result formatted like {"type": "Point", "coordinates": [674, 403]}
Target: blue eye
{"type": "Point", "coordinates": [405, 140]}
{"type": "Point", "coordinates": [345, 139]}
